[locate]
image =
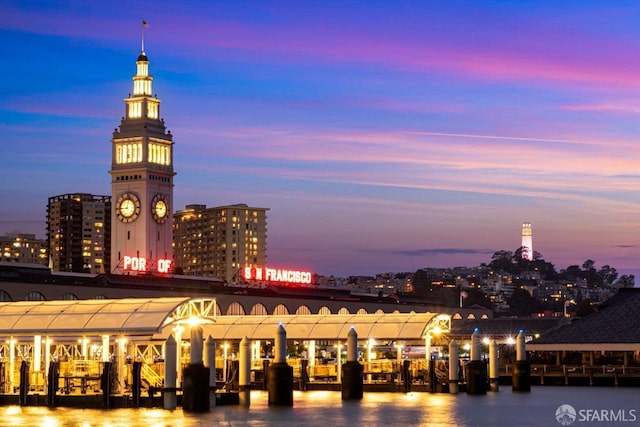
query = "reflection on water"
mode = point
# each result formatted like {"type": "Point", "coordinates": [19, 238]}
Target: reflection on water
{"type": "Point", "coordinates": [326, 409]}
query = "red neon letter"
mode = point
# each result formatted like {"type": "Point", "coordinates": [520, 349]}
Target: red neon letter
{"type": "Point", "coordinates": [164, 265]}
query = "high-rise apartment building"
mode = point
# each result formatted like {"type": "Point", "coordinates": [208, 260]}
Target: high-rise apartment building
{"type": "Point", "coordinates": [25, 248]}
{"type": "Point", "coordinates": [527, 241]}
{"type": "Point", "coordinates": [219, 241]}
{"type": "Point", "coordinates": [79, 232]}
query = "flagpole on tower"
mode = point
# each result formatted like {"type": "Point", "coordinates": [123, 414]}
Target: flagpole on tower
{"type": "Point", "coordinates": [144, 25]}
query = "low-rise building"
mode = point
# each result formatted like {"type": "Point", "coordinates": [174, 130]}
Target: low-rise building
{"type": "Point", "coordinates": [25, 248]}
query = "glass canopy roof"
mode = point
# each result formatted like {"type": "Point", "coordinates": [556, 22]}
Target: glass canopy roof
{"type": "Point", "coordinates": [153, 317]}
{"type": "Point", "coordinates": [395, 326]}
{"type": "Point", "coordinates": [132, 316]}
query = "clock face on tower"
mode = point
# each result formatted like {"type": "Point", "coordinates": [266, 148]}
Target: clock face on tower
{"type": "Point", "coordinates": [128, 207]}
{"type": "Point", "coordinates": [159, 208]}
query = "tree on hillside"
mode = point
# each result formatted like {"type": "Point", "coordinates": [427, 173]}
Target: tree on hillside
{"type": "Point", "coordinates": [607, 275]}
{"type": "Point", "coordinates": [547, 270]}
{"type": "Point", "coordinates": [604, 277]}
{"type": "Point", "coordinates": [573, 271]}
{"type": "Point", "coordinates": [514, 263]}
{"type": "Point", "coordinates": [502, 261]}
{"type": "Point", "coordinates": [626, 281]}
{"type": "Point", "coordinates": [590, 273]}
{"type": "Point", "coordinates": [588, 265]}
{"type": "Point", "coordinates": [523, 304]}
{"type": "Point", "coordinates": [523, 262]}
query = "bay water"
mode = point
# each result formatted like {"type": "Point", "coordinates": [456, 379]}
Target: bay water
{"type": "Point", "coordinates": [543, 406]}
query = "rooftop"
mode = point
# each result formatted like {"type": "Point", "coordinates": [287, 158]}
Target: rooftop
{"type": "Point", "coordinates": [615, 326]}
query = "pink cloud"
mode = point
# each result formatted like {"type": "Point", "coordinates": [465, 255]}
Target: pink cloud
{"type": "Point", "coordinates": [551, 169]}
{"type": "Point", "coordinates": [60, 106]}
{"type": "Point", "coordinates": [631, 107]}
{"type": "Point", "coordinates": [534, 54]}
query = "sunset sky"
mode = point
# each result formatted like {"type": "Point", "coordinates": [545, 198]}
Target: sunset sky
{"type": "Point", "coordinates": [383, 136]}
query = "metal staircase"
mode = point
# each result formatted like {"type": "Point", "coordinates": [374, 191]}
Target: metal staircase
{"type": "Point", "coordinates": [150, 377]}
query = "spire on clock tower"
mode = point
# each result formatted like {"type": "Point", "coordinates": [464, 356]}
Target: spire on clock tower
{"type": "Point", "coordinates": [144, 25]}
{"type": "Point", "coordinates": [142, 180]}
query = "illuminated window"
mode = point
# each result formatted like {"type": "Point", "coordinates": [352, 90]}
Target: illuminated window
{"type": "Point", "coordinates": [324, 310]}
{"type": "Point", "coordinates": [142, 68]}
{"type": "Point", "coordinates": [135, 110]}
{"type": "Point", "coordinates": [153, 148]}
{"type": "Point", "coordinates": [159, 154]}
{"type": "Point", "coordinates": [235, 309]}
{"type": "Point", "coordinates": [152, 110]}
{"type": "Point", "coordinates": [281, 310]}
{"type": "Point", "coordinates": [259, 310]}
{"type": "Point", "coordinates": [35, 296]}
{"type": "Point", "coordinates": [142, 87]}
{"type": "Point", "coordinates": [303, 309]}
{"type": "Point", "coordinates": [5, 297]}
{"type": "Point", "coordinates": [128, 153]}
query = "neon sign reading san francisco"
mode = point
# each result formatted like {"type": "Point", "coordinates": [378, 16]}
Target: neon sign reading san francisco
{"type": "Point", "coordinates": [134, 263]}
{"type": "Point", "coordinates": [278, 275]}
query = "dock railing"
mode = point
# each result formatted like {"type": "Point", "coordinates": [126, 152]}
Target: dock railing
{"type": "Point", "coordinates": [578, 369]}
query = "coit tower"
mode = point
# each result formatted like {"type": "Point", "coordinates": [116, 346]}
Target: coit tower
{"type": "Point", "coordinates": [527, 241]}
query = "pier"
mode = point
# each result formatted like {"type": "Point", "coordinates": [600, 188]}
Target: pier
{"type": "Point", "coordinates": [584, 375]}
{"type": "Point", "coordinates": [114, 353]}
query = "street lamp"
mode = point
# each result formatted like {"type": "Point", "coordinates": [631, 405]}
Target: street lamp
{"type": "Point", "coordinates": [427, 343]}
{"type": "Point", "coordinates": [399, 348]}
{"type": "Point", "coordinates": [339, 361]}
{"type": "Point", "coordinates": [567, 303]}
{"type": "Point", "coordinates": [370, 344]}
{"type": "Point", "coordinates": [225, 349]}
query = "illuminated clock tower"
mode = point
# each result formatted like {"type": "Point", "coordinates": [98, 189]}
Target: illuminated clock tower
{"type": "Point", "coordinates": [141, 182]}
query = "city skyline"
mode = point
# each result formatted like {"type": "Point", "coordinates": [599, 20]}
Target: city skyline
{"type": "Point", "coordinates": [380, 138]}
